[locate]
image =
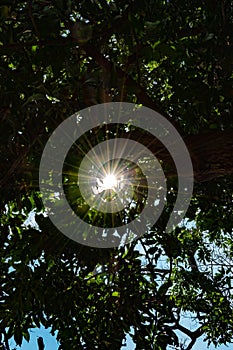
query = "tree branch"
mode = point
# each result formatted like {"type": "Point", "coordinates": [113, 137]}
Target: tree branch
{"type": "Point", "coordinates": [196, 334]}
{"type": "Point", "coordinates": [139, 91]}
{"type": "Point", "coordinates": [6, 340]}
{"type": "Point", "coordinates": [40, 343]}
{"type": "Point", "coordinates": [192, 335]}
{"type": "Point", "coordinates": [211, 153]}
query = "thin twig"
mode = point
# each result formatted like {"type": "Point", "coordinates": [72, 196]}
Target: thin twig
{"type": "Point", "coordinates": [33, 20]}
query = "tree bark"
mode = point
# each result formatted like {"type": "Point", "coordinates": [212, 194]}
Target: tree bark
{"type": "Point", "coordinates": [211, 153]}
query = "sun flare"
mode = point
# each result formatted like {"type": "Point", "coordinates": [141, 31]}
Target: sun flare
{"type": "Point", "coordinates": [109, 182]}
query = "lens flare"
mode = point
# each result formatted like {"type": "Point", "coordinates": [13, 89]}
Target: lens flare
{"type": "Point", "coordinates": [98, 210]}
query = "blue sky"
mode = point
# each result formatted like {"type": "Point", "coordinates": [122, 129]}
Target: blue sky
{"type": "Point", "coordinates": [51, 343]}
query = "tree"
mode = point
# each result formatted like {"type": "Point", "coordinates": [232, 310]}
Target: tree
{"type": "Point", "coordinates": [175, 57]}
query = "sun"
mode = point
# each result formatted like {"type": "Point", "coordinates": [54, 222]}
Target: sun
{"type": "Point", "coordinates": [109, 182]}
